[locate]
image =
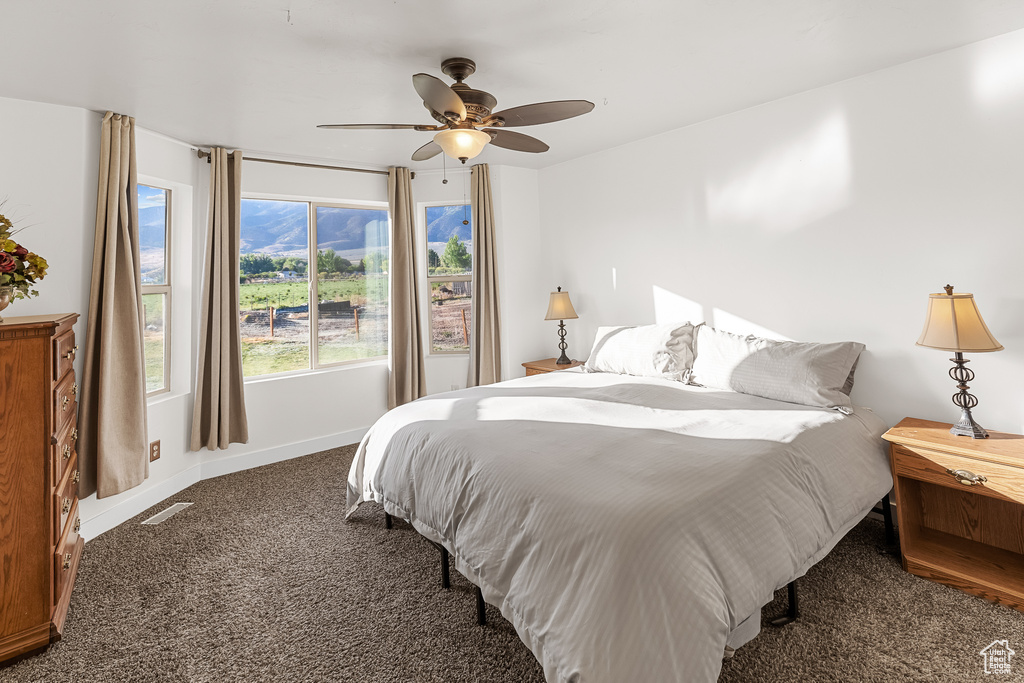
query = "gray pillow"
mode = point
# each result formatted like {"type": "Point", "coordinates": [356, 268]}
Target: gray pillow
{"type": "Point", "coordinates": [797, 372]}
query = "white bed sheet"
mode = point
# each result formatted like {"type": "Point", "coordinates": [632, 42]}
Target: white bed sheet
{"type": "Point", "coordinates": [624, 525]}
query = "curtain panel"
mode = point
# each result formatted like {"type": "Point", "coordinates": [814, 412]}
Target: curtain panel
{"type": "Point", "coordinates": [113, 440]}
{"type": "Point", "coordinates": [485, 338]}
{"type": "Point", "coordinates": [407, 379]}
{"type": "Point", "coordinates": [218, 413]}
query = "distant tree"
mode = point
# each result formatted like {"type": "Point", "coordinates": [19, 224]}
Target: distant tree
{"type": "Point", "coordinates": [325, 261]}
{"type": "Point", "coordinates": [375, 262]}
{"type": "Point", "coordinates": [255, 263]}
{"type": "Point", "coordinates": [455, 255]}
{"type": "Point", "coordinates": [341, 264]}
{"type": "Point", "coordinates": [293, 263]}
{"type": "Point", "coordinates": [433, 260]}
{"type": "Point", "coordinates": [279, 263]}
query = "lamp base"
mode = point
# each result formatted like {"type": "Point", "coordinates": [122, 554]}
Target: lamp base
{"type": "Point", "coordinates": [964, 400]}
{"type": "Point", "coordinates": [966, 426]}
{"type": "Point", "coordinates": [562, 346]}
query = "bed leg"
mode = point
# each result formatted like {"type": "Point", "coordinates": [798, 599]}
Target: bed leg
{"type": "Point", "coordinates": [890, 531]}
{"type": "Point", "coordinates": [388, 523]}
{"type": "Point", "coordinates": [481, 608]}
{"type": "Point", "coordinates": [792, 612]}
{"type": "Point", "coordinates": [446, 580]}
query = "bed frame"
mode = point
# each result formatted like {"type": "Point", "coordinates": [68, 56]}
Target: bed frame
{"type": "Point", "coordinates": [788, 617]}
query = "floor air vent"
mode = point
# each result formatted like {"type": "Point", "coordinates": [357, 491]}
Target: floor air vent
{"type": "Point", "coordinates": [167, 514]}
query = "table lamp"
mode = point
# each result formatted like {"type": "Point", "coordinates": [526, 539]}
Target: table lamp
{"type": "Point", "coordinates": [560, 309]}
{"type": "Point", "coordinates": [953, 323]}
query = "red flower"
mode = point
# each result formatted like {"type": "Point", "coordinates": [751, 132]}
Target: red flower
{"type": "Point", "coordinates": [20, 251]}
{"type": "Point", "coordinates": [7, 262]}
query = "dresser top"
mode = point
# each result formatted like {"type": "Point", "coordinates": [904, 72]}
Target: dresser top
{"type": "Point", "coordinates": [1000, 447]}
{"type": "Point", "coordinates": [51, 320]}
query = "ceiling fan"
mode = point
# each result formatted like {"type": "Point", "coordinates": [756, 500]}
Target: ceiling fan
{"type": "Point", "coordinates": [465, 118]}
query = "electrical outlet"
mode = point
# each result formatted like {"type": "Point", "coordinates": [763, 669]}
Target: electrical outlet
{"type": "Point", "coordinates": [154, 450]}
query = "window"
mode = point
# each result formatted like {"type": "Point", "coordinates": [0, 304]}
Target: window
{"type": "Point", "coordinates": [154, 220]}
{"type": "Point", "coordinates": [347, 246]}
{"type": "Point", "coordinates": [450, 276]}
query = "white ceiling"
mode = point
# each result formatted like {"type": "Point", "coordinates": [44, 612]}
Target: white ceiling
{"type": "Point", "coordinates": [260, 74]}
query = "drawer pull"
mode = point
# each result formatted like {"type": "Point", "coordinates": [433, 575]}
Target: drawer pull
{"type": "Point", "coordinates": [76, 477]}
{"type": "Point", "coordinates": [71, 354]}
{"type": "Point", "coordinates": [64, 403]}
{"type": "Point", "coordinates": [74, 434]}
{"type": "Point", "coordinates": [78, 525]}
{"type": "Point", "coordinates": [967, 478]}
{"type": "Point", "coordinates": [65, 508]}
{"type": "Point", "coordinates": [66, 452]}
{"type": "Point", "coordinates": [67, 561]}
{"type": "Point", "coordinates": [74, 388]}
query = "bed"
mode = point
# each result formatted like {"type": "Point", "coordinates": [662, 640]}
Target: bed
{"type": "Point", "coordinates": [629, 527]}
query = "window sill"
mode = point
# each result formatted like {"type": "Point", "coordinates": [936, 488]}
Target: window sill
{"type": "Point", "coordinates": [318, 371]}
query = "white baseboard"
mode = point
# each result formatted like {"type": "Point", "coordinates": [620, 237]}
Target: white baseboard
{"type": "Point", "coordinates": [143, 500]}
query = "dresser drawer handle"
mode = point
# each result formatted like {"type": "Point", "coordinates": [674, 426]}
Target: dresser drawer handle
{"type": "Point", "coordinates": [74, 434]}
{"type": "Point", "coordinates": [71, 354]}
{"type": "Point", "coordinates": [76, 477]}
{"type": "Point", "coordinates": [78, 525]}
{"type": "Point", "coordinates": [64, 403]}
{"type": "Point", "coordinates": [967, 478]}
{"type": "Point", "coordinates": [74, 388]}
{"type": "Point", "coordinates": [67, 561]}
{"type": "Point", "coordinates": [66, 452]}
{"type": "Point", "coordinates": [65, 508]}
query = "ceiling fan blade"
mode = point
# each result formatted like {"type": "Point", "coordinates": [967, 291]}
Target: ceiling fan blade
{"type": "Point", "coordinates": [438, 96]}
{"type": "Point", "coordinates": [542, 112]}
{"type": "Point", "coordinates": [377, 126]}
{"type": "Point", "coordinates": [517, 141]}
{"type": "Point", "coordinates": [427, 151]}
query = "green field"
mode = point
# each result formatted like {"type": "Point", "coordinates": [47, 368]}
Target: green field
{"type": "Point", "coordinates": [265, 357]}
{"type": "Point", "coordinates": [257, 296]}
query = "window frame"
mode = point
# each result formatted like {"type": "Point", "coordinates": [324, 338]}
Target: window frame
{"type": "Point", "coordinates": [312, 289]}
{"type": "Point", "coordinates": [429, 279]}
{"type": "Point", "coordinates": [165, 288]}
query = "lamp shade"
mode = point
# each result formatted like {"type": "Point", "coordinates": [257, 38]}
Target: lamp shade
{"type": "Point", "coordinates": [462, 143]}
{"type": "Point", "coordinates": [953, 323]}
{"type": "Point", "coordinates": [559, 307]}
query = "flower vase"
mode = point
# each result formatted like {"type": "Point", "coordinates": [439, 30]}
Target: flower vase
{"type": "Point", "coordinates": [6, 297]}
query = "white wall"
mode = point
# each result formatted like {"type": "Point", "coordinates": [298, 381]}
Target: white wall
{"type": "Point", "coordinates": [829, 215]}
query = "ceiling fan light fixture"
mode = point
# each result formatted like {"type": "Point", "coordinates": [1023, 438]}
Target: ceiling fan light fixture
{"type": "Point", "coordinates": [462, 143]}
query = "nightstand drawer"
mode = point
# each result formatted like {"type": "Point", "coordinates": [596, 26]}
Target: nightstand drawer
{"type": "Point", "coordinates": [1001, 481]}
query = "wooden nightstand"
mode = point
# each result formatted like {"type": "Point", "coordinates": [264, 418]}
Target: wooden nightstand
{"type": "Point", "coordinates": [961, 508]}
{"type": "Point", "coordinates": [539, 367]}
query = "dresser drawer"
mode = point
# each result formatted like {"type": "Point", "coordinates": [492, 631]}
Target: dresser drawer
{"type": "Point", "coordinates": [1000, 481]}
{"type": "Point", "coordinates": [64, 556]}
{"type": "Point", "coordinates": [65, 497]}
{"type": "Point", "coordinates": [64, 351]}
{"type": "Point", "coordinates": [65, 401]}
{"type": "Point", "coordinates": [66, 447]}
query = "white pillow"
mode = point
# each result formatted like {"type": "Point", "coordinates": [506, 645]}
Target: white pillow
{"type": "Point", "coordinates": [797, 372]}
{"type": "Point", "coordinates": [645, 351]}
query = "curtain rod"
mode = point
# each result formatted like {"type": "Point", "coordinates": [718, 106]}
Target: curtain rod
{"type": "Point", "coordinates": [206, 155]}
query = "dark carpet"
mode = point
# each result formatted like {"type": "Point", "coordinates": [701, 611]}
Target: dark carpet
{"type": "Point", "coordinates": [262, 580]}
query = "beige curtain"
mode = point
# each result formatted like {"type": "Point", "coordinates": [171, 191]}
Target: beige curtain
{"type": "Point", "coordinates": [112, 419]}
{"type": "Point", "coordinates": [484, 340]}
{"type": "Point", "coordinates": [407, 380]}
{"type": "Point", "coordinates": [218, 413]}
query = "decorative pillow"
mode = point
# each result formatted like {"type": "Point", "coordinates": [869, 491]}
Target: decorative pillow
{"type": "Point", "coordinates": [645, 351]}
{"type": "Point", "coordinates": [797, 372]}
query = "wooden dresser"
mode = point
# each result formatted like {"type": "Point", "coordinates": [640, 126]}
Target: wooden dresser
{"type": "Point", "coordinates": [961, 508]}
{"type": "Point", "coordinates": [39, 542]}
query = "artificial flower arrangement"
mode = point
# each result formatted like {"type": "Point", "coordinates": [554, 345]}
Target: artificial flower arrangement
{"type": "Point", "coordinates": [20, 269]}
